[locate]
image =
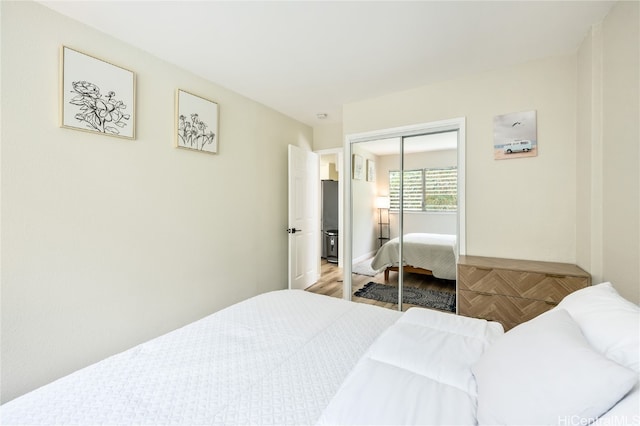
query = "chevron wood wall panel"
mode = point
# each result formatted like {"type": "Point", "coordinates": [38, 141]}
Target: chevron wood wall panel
{"type": "Point", "coordinates": [513, 291]}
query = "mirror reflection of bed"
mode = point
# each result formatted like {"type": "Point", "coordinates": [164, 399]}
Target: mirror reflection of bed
{"type": "Point", "coordinates": [428, 167]}
{"type": "Point", "coordinates": [429, 219]}
{"type": "Point", "coordinates": [423, 253]}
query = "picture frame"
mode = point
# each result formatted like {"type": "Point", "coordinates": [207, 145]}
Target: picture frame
{"type": "Point", "coordinates": [358, 167]}
{"type": "Point", "coordinates": [515, 135]}
{"type": "Point", "coordinates": [371, 171]}
{"type": "Point", "coordinates": [96, 96]}
{"type": "Point", "coordinates": [196, 125]}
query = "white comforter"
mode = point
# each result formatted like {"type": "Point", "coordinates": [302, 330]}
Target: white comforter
{"type": "Point", "coordinates": [435, 252]}
{"type": "Point", "coordinates": [277, 358]}
{"type": "Point", "coordinates": [417, 372]}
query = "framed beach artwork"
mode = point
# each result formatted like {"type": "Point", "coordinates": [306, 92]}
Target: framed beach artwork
{"type": "Point", "coordinates": [196, 123]}
{"type": "Point", "coordinates": [358, 167]}
{"type": "Point", "coordinates": [515, 135]}
{"type": "Point", "coordinates": [97, 96]}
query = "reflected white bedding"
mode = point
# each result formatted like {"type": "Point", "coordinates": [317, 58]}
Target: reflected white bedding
{"type": "Point", "coordinates": [434, 252]}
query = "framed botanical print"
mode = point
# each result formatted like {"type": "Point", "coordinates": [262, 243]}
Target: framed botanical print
{"type": "Point", "coordinates": [371, 170]}
{"type": "Point", "coordinates": [97, 96]}
{"type": "Point", "coordinates": [196, 123]}
{"type": "Point", "coordinates": [358, 167]}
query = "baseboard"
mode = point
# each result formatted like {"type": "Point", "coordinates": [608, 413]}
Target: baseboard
{"type": "Point", "coordinates": [364, 257]}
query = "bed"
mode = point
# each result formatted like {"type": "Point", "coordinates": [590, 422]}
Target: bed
{"type": "Point", "coordinates": [431, 254]}
{"type": "Point", "coordinates": [293, 357]}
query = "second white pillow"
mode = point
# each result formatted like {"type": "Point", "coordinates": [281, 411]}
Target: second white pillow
{"type": "Point", "coordinates": [545, 372]}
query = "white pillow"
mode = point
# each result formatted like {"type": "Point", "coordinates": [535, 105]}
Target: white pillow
{"type": "Point", "coordinates": [610, 323]}
{"type": "Point", "coordinates": [545, 372]}
{"type": "Point", "coordinates": [626, 412]}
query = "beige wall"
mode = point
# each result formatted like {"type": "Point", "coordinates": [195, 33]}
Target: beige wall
{"type": "Point", "coordinates": [364, 215]}
{"type": "Point", "coordinates": [329, 167]}
{"type": "Point", "coordinates": [109, 242]}
{"type": "Point", "coordinates": [519, 208]}
{"type": "Point", "coordinates": [621, 140]}
{"type": "Point", "coordinates": [608, 151]}
{"type": "Point", "coordinates": [326, 136]}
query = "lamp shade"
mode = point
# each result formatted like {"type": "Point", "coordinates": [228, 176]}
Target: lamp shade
{"type": "Point", "coordinates": [383, 202]}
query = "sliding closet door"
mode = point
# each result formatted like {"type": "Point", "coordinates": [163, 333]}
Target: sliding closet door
{"type": "Point", "coordinates": [373, 224]}
{"type": "Point", "coordinates": [429, 208]}
{"type": "Point", "coordinates": [418, 170]}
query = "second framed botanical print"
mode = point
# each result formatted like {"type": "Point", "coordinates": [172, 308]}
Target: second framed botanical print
{"type": "Point", "coordinates": [196, 123]}
{"type": "Point", "coordinates": [371, 171]}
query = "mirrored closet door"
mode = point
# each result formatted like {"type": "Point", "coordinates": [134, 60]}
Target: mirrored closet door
{"type": "Point", "coordinates": [403, 194]}
{"type": "Point", "coordinates": [371, 232]}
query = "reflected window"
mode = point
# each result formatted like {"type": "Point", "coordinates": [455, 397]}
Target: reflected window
{"type": "Point", "coordinates": [425, 190]}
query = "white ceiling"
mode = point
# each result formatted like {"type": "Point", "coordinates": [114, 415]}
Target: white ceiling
{"type": "Point", "coordinates": [307, 57]}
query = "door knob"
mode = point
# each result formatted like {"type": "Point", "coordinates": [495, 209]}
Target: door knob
{"type": "Point", "coordinates": [293, 230]}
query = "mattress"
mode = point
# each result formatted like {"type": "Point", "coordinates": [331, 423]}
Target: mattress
{"type": "Point", "coordinates": [277, 358]}
{"type": "Point", "coordinates": [434, 252]}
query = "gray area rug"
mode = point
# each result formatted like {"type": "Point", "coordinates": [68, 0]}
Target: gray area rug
{"type": "Point", "coordinates": [445, 301]}
{"type": "Point", "coordinates": [364, 268]}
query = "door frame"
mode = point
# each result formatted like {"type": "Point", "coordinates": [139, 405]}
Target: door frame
{"type": "Point", "coordinates": [454, 124]}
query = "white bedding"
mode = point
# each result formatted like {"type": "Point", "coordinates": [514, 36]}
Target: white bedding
{"type": "Point", "coordinates": [417, 372]}
{"type": "Point", "coordinates": [292, 357]}
{"type": "Point", "coordinates": [434, 252]}
{"type": "Point", "coordinates": [277, 358]}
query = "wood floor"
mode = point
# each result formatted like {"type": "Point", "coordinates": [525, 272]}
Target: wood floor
{"type": "Point", "coordinates": [330, 284]}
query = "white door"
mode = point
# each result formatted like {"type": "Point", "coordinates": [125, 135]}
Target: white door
{"type": "Point", "coordinates": [304, 221]}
